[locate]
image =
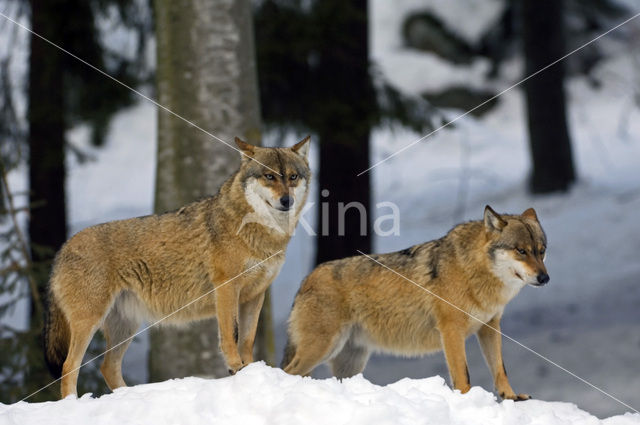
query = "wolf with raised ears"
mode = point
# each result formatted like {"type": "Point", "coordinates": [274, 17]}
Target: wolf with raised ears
{"type": "Point", "coordinates": [112, 276]}
{"type": "Point", "coordinates": [346, 309]}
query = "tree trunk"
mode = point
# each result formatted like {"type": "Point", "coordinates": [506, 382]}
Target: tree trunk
{"type": "Point", "coordinates": [344, 132]}
{"type": "Point", "coordinates": [548, 132]}
{"type": "Point", "coordinates": [206, 73]}
{"type": "Point", "coordinates": [343, 230]}
{"type": "Point", "coordinates": [47, 216]}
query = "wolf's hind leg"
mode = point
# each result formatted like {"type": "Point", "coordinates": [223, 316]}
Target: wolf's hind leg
{"type": "Point", "coordinates": [350, 361]}
{"type": "Point", "coordinates": [118, 328]}
{"type": "Point", "coordinates": [314, 348]}
{"type": "Point", "coordinates": [307, 357]}
{"type": "Point", "coordinates": [85, 306]}
{"type": "Point", "coordinates": [81, 334]}
{"type": "Point", "coordinates": [319, 325]}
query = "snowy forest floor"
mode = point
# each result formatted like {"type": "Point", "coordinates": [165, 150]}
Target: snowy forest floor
{"type": "Point", "coordinates": [261, 395]}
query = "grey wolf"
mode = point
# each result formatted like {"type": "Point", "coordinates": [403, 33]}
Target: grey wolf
{"type": "Point", "coordinates": [114, 275]}
{"type": "Point", "coordinates": [347, 308]}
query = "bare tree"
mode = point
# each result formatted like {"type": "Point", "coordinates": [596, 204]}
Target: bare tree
{"type": "Point", "coordinates": [206, 73]}
{"type": "Point", "coordinates": [543, 40]}
{"type": "Point", "coordinates": [344, 131]}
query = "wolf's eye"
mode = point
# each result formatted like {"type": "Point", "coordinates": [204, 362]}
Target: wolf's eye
{"type": "Point", "coordinates": [269, 176]}
{"type": "Point", "coordinates": [542, 251]}
{"type": "Point", "coordinates": [521, 251]}
{"type": "Point", "coordinates": [293, 177]}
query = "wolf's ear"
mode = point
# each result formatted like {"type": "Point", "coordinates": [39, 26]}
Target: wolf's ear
{"type": "Point", "coordinates": [530, 213]}
{"type": "Point", "coordinates": [492, 220]}
{"type": "Point", "coordinates": [246, 149]}
{"type": "Point", "coordinates": [302, 147]}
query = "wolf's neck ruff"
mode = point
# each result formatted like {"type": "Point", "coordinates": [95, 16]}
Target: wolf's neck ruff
{"type": "Point", "coordinates": [263, 212]}
{"type": "Point", "coordinates": [280, 221]}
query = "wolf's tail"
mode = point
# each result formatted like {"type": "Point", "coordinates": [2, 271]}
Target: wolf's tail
{"type": "Point", "coordinates": [289, 352]}
{"type": "Point", "coordinates": [56, 336]}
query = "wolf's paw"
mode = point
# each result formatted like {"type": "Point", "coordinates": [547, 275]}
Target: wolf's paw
{"type": "Point", "coordinates": [522, 397]}
{"type": "Point", "coordinates": [247, 357]}
{"type": "Point", "coordinates": [235, 367]}
{"type": "Point", "coordinates": [515, 397]}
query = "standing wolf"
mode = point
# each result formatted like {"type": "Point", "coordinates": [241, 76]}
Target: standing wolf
{"type": "Point", "coordinates": [113, 275]}
{"type": "Point", "coordinates": [347, 308]}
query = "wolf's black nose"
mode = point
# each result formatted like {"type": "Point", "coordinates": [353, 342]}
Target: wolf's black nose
{"type": "Point", "coordinates": [286, 201]}
{"type": "Point", "coordinates": [543, 278]}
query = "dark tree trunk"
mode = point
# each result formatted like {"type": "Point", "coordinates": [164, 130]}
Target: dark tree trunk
{"type": "Point", "coordinates": [47, 220]}
{"type": "Point", "coordinates": [548, 132]}
{"type": "Point", "coordinates": [343, 75]}
{"type": "Point", "coordinates": [46, 139]}
{"type": "Point", "coordinates": [339, 163]}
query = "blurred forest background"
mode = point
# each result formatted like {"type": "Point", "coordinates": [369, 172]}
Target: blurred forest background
{"type": "Point", "coordinates": [364, 78]}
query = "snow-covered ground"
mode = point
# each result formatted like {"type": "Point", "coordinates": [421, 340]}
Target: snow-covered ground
{"type": "Point", "coordinates": [587, 319]}
{"type": "Point", "coordinates": [261, 395]}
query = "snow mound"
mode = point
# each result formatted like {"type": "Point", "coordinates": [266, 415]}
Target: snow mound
{"type": "Point", "coordinates": [261, 395]}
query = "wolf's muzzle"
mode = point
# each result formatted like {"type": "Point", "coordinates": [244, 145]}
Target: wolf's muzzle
{"type": "Point", "coordinates": [286, 201]}
{"type": "Point", "coordinates": [542, 278]}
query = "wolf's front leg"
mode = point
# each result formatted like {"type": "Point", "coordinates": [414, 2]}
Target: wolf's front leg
{"type": "Point", "coordinates": [227, 298]}
{"type": "Point", "coordinates": [490, 341]}
{"type": "Point", "coordinates": [249, 315]}
{"type": "Point", "coordinates": [454, 351]}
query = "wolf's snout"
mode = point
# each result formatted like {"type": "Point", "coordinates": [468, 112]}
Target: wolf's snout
{"type": "Point", "coordinates": [286, 201]}
{"type": "Point", "coordinates": [543, 278]}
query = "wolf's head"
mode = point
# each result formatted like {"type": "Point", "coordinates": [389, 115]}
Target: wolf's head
{"type": "Point", "coordinates": [516, 247]}
{"type": "Point", "coordinates": [275, 183]}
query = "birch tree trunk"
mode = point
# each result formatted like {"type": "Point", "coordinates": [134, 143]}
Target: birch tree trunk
{"type": "Point", "coordinates": [206, 73]}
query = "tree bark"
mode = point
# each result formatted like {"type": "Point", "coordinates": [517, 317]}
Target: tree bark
{"type": "Point", "coordinates": [549, 140]}
{"type": "Point", "coordinates": [340, 226]}
{"type": "Point", "coordinates": [206, 73]}
{"type": "Point", "coordinates": [343, 132]}
{"type": "Point", "coordinates": [47, 226]}
{"type": "Point", "coordinates": [47, 217]}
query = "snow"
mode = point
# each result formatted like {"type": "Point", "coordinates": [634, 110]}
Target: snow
{"type": "Point", "coordinates": [119, 181]}
{"type": "Point", "coordinates": [262, 395]}
{"type": "Point", "coordinates": [468, 18]}
{"type": "Point", "coordinates": [418, 72]}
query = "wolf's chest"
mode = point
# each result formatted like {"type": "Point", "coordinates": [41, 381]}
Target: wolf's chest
{"type": "Point", "coordinates": [258, 279]}
{"type": "Point", "coordinates": [479, 317]}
